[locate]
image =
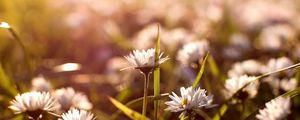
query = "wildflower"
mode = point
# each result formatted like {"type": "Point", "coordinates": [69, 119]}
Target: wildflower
{"type": "Point", "coordinates": [276, 37]}
{"type": "Point", "coordinates": [288, 84]}
{"type": "Point", "coordinates": [144, 59]}
{"type": "Point", "coordinates": [40, 84]}
{"type": "Point", "coordinates": [239, 45]}
{"type": "Point", "coordinates": [190, 99]}
{"type": "Point", "coordinates": [232, 85]}
{"type": "Point", "coordinates": [276, 64]}
{"type": "Point", "coordinates": [68, 98]}
{"type": "Point", "coordinates": [146, 37]}
{"type": "Point", "coordinates": [67, 67]}
{"type": "Point", "coordinates": [4, 25]}
{"type": "Point", "coordinates": [249, 67]}
{"type": "Point", "coordinates": [192, 52]}
{"type": "Point", "coordinates": [276, 109]}
{"type": "Point", "coordinates": [175, 37]}
{"type": "Point", "coordinates": [75, 114]}
{"type": "Point", "coordinates": [34, 104]}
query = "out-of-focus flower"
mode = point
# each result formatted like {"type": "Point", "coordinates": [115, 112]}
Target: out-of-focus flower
{"type": "Point", "coordinates": [276, 64]}
{"type": "Point", "coordinates": [254, 14]}
{"type": "Point", "coordinates": [68, 98]}
{"type": "Point", "coordinates": [173, 38]}
{"type": "Point", "coordinates": [232, 85]}
{"type": "Point", "coordinates": [40, 84]}
{"type": "Point", "coordinates": [296, 51]}
{"type": "Point", "coordinates": [77, 114]}
{"type": "Point", "coordinates": [288, 84]}
{"type": "Point", "coordinates": [274, 83]}
{"type": "Point", "coordinates": [146, 38]}
{"type": "Point", "coordinates": [144, 59]}
{"type": "Point", "coordinates": [34, 104]}
{"type": "Point", "coordinates": [190, 99]}
{"type": "Point", "coordinates": [276, 109]}
{"type": "Point", "coordinates": [4, 25]}
{"type": "Point", "coordinates": [67, 67]}
{"type": "Point", "coordinates": [119, 79]}
{"type": "Point", "coordinates": [277, 37]}
{"type": "Point", "coordinates": [239, 44]}
{"type": "Point", "coordinates": [192, 52]}
{"type": "Point", "coordinates": [248, 67]}
{"type": "Point", "coordinates": [274, 80]}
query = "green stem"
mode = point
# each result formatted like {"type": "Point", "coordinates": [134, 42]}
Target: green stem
{"type": "Point", "coordinates": [145, 100]}
{"type": "Point", "coordinates": [26, 55]}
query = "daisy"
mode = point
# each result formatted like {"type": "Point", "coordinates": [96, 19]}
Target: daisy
{"type": "Point", "coordinates": [192, 52]}
{"type": "Point", "coordinates": [75, 114]}
{"type": "Point", "coordinates": [288, 84]}
{"type": "Point", "coordinates": [278, 63]}
{"type": "Point", "coordinates": [4, 25]}
{"type": "Point", "coordinates": [249, 67]}
{"type": "Point", "coordinates": [232, 85]}
{"type": "Point", "coordinates": [34, 104]}
{"type": "Point", "coordinates": [276, 109]}
{"type": "Point", "coordinates": [68, 98]}
{"type": "Point", "coordinates": [40, 84]}
{"type": "Point", "coordinates": [145, 59]}
{"type": "Point", "coordinates": [276, 37]}
{"type": "Point", "coordinates": [190, 99]}
{"type": "Point", "coordinates": [146, 37]}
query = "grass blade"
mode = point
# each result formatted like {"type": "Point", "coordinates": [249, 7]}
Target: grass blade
{"type": "Point", "coordinates": [156, 84]}
{"type": "Point", "coordinates": [200, 73]}
{"type": "Point", "coordinates": [213, 66]}
{"type": "Point", "coordinates": [127, 111]}
{"type": "Point", "coordinates": [221, 112]}
{"type": "Point", "coordinates": [7, 84]}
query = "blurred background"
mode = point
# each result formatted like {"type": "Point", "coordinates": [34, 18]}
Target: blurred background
{"type": "Point", "coordinates": [81, 44]}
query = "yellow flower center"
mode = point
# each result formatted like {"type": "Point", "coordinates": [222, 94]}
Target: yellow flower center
{"type": "Point", "coordinates": [184, 102]}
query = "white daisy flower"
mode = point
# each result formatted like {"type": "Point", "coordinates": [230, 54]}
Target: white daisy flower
{"type": "Point", "coordinates": [4, 25]}
{"type": "Point", "coordinates": [34, 103]}
{"type": "Point", "coordinates": [146, 37]}
{"type": "Point", "coordinates": [192, 52]}
{"type": "Point", "coordinates": [190, 99]}
{"type": "Point", "coordinates": [141, 59]}
{"type": "Point", "coordinates": [276, 109]}
{"type": "Point", "coordinates": [249, 67]}
{"type": "Point", "coordinates": [288, 84]}
{"type": "Point", "coordinates": [40, 84]}
{"type": "Point", "coordinates": [68, 98]}
{"type": "Point", "coordinates": [232, 85]}
{"type": "Point", "coordinates": [276, 37]}
{"type": "Point", "coordinates": [75, 114]}
{"type": "Point", "coordinates": [276, 64]}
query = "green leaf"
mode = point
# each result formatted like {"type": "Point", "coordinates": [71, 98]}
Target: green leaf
{"type": "Point", "coordinates": [213, 66]}
{"type": "Point", "coordinates": [156, 84]}
{"type": "Point", "coordinates": [289, 94]}
{"type": "Point", "coordinates": [7, 84]}
{"type": "Point", "coordinates": [127, 111]}
{"type": "Point", "coordinates": [221, 112]}
{"type": "Point", "coordinates": [200, 73]}
{"type": "Point", "coordinates": [124, 94]}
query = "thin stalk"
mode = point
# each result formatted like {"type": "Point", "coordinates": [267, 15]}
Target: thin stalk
{"type": "Point", "coordinates": [145, 100]}
{"type": "Point", "coordinates": [243, 109]}
{"type": "Point", "coordinates": [26, 55]}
